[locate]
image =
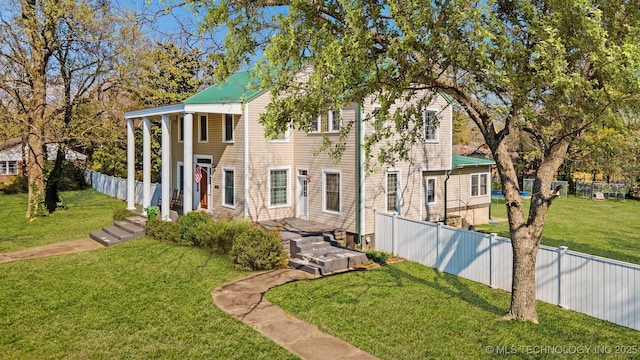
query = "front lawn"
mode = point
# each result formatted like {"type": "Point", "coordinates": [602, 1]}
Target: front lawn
{"type": "Point", "coordinates": [408, 311]}
{"type": "Point", "coordinates": [142, 299]}
{"type": "Point", "coordinates": [87, 211]}
{"type": "Point", "coordinates": [604, 228]}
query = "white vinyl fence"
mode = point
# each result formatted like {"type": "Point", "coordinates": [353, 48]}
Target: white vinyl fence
{"type": "Point", "coordinates": [117, 187]}
{"type": "Point", "coordinates": [603, 288]}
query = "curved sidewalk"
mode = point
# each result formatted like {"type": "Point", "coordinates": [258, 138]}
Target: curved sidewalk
{"type": "Point", "coordinates": [244, 300]}
{"type": "Point", "coordinates": [67, 247]}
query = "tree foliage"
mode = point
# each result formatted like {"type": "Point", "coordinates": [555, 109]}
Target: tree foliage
{"type": "Point", "coordinates": [547, 70]}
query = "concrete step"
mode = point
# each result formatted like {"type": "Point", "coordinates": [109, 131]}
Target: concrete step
{"type": "Point", "coordinates": [306, 266]}
{"type": "Point", "coordinates": [104, 238]}
{"type": "Point", "coordinates": [132, 228]}
{"type": "Point", "coordinates": [137, 220]}
{"type": "Point", "coordinates": [334, 259]}
{"type": "Point", "coordinates": [306, 244]}
{"type": "Point", "coordinates": [118, 233]}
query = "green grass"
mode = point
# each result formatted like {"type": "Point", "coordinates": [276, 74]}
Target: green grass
{"type": "Point", "coordinates": [87, 211]}
{"type": "Point", "coordinates": [604, 228]}
{"type": "Point", "coordinates": [142, 299]}
{"type": "Point", "coordinates": [408, 311]}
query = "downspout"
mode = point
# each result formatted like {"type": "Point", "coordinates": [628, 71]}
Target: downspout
{"type": "Point", "coordinates": [360, 210]}
{"type": "Point", "coordinates": [446, 179]}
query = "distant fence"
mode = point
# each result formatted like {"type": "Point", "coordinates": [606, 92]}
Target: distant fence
{"type": "Point", "coordinates": [603, 288]}
{"type": "Point", "coordinates": [117, 187]}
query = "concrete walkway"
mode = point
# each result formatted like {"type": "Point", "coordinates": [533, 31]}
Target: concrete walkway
{"type": "Point", "coordinates": [68, 247]}
{"type": "Point", "coordinates": [244, 300]}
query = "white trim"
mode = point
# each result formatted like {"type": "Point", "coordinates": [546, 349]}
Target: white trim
{"type": "Point", "coordinates": [324, 191]}
{"type": "Point", "coordinates": [7, 167]}
{"type": "Point", "coordinates": [224, 129]}
{"type": "Point", "coordinates": [488, 185]}
{"type": "Point", "coordinates": [298, 176]}
{"type": "Point", "coordinates": [209, 167]}
{"type": "Point", "coordinates": [224, 187]}
{"type": "Point", "coordinates": [155, 111]}
{"type": "Point", "coordinates": [318, 128]}
{"type": "Point", "coordinates": [288, 193]}
{"type": "Point", "coordinates": [245, 141]}
{"type": "Point", "coordinates": [436, 138]}
{"type": "Point", "coordinates": [206, 133]}
{"type": "Point", "coordinates": [422, 168]}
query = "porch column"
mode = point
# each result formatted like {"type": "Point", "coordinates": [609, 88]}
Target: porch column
{"type": "Point", "coordinates": [146, 162]}
{"type": "Point", "coordinates": [131, 166]}
{"type": "Point", "coordinates": [166, 168]}
{"type": "Point", "coordinates": [187, 195]}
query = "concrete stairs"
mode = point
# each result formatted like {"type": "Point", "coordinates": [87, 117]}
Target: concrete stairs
{"type": "Point", "coordinates": [320, 255]}
{"type": "Point", "coordinates": [129, 229]}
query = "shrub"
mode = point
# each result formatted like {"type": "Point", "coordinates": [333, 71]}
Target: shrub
{"type": "Point", "coordinates": [378, 256]}
{"type": "Point", "coordinates": [122, 214]}
{"type": "Point", "coordinates": [163, 230]}
{"type": "Point", "coordinates": [18, 185]}
{"type": "Point", "coordinates": [218, 236]}
{"type": "Point", "coordinates": [188, 231]}
{"type": "Point", "coordinates": [258, 249]}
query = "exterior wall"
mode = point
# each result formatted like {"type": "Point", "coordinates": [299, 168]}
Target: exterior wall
{"type": "Point", "coordinates": [475, 209]}
{"type": "Point", "coordinates": [263, 157]}
{"type": "Point", "coordinates": [225, 154]}
{"type": "Point", "coordinates": [432, 158]}
{"type": "Point", "coordinates": [305, 145]}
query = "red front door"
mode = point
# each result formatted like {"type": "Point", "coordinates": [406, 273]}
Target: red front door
{"type": "Point", "coordinates": [204, 199]}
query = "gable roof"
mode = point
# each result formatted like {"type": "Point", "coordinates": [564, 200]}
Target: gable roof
{"type": "Point", "coordinates": [237, 88]}
{"type": "Point", "coordinates": [458, 161]}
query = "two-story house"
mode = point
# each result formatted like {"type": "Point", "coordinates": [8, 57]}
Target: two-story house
{"type": "Point", "coordinates": [214, 151]}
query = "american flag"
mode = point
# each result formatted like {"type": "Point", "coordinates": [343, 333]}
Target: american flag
{"type": "Point", "coordinates": [198, 174]}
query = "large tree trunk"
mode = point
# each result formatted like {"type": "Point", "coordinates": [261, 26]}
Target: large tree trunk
{"type": "Point", "coordinates": [36, 108]}
{"type": "Point", "coordinates": [526, 235]}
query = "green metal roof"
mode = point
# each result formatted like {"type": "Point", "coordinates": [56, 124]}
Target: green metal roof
{"type": "Point", "coordinates": [237, 88]}
{"type": "Point", "coordinates": [462, 161]}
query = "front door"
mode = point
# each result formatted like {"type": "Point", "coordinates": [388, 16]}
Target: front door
{"type": "Point", "coordinates": [302, 199]}
{"type": "Point", "coordinates": [204, 198]}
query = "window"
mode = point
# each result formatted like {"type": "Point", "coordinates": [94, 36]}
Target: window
{"type": "Point", "coordinates": [8, 167]}
{"type": "Point", "coordinates": [430, 190]}
{"type": "Point", "coordinates": [334, 120]}
{"type": "Point", "coordinates": [479, 184]}
{"type": "Point", "coordinates": [282, 136]}
{"type": "Point", "coordinates": [430, 125]}
{"type": "Point", "coordinates": [180, 176]}
{"type": "Point", "coordinates": [204, 135]}
{"type": "Point", "coordinates": [228, 187]}
{"type": "Point", "coordinates": [316, 124]}
{"type": "Point", "coordinates": [278, 187]}
{"type": "Point", "coordinates": [181, 129]}
{"type": "Point", "coordinates": [378, 123]}
{"type": "Point", "coordinates": [393, 181]}
{"type": "Point", "coordinates": [332, 193]}
{"type": "Point", "coordinates": [227, 134]}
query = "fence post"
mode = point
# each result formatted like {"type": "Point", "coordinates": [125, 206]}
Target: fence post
{"type": "Point", "coordinates": [438, 234]}
{"type": "Point", "coordinates": [561, 251]}
{"type": "Point", "coordinates": [394, 235]}
{"type": "Point", "coordinates": [492, 240]}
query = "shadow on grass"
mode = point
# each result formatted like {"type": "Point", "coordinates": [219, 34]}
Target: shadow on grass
{"type": "Point", "coordinates": [454, 288]}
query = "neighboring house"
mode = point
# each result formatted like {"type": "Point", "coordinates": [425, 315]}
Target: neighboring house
{"type": "Point", "coordinates": [11, 158]}
{"type": "Point", "coordinates": [215, 152]}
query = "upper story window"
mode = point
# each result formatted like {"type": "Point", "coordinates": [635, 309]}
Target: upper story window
{"type": "Point", "coordinates": [327, 122]}
{"type": "Point", "coordinates": [227, 131]}
{"type": "Point", "coordinates": [393, 186]}
{"type": "Point", "coordinates": [203, 129]}
{"type": "Point", "coordinates": [334, 120]}
{"type": "Point", "coordinates": [430, 125]}
{"type": "Point", "coordinates": [378, 122]}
